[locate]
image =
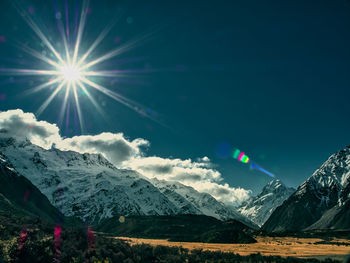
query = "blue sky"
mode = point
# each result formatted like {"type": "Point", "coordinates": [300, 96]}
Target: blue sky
{"type": "Point", "coordinates": [268, 77]}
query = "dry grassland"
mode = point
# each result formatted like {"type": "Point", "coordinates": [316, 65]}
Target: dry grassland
{"type": "Point", "coordinates": [267, 246]}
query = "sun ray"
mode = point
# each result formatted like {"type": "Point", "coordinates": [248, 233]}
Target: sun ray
{"type": "Point", "coordinates": [49, 99]}
{"type": "Point", "coordinates": [116, 73]}
{"type": "Point", "coordinates": [37, 54]}
{"type": "Point", "coordinates": [74, 73]}
{"type": "Point", "coordinates": [126, 47]}
{"type": "Point", "coordinates": [67, 118]}
{"type": "Point", "coordinates": [63, 108]}
{"type": "Point", "coordinates": [105, 73]}
{"type": "Point", "coordinates": [42, 86]}
{"type": "Point", "coordinates": [107, 92]}
{"type": "Point", "coordinates": [110, 54]}
{"type": "Point", "coordinates": [65, 43]}
{"type": "Point", "coordinates": [67, 19]}
{"type": "Point", "coordinates": [30, 72]}
{"type": "Point", "coordinates": [80, 29]}
{"type": "Point", "coordinates": [60, 27]}
{"type": "Point", "coordinates": [117, 97]}
{"type": "Point", "coordinates": [77, 104]}
{"type": "Point", "coordinates": [95, 44]}
{"type": "Point", "coordinates": [93, 101]}
{"type": "Point", "coordinates": [39, 33]}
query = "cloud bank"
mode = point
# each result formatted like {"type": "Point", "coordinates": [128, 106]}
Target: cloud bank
{"type": "Point", "coordinates": [114, 146]}
{"type": "Point", "coordinates": [199, 174]}
{"type": "Point", "coordinates": [24, 125]}
{"type": "Point", "coordinates": [124, 153]}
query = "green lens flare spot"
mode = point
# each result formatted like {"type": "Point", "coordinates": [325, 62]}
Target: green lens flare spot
{"type": "Point", "coordinates": [236, 153]}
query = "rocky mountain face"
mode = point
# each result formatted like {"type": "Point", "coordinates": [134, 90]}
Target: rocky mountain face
{"type": "Point", "coordinates": [321, 202]}
{"type": "Point", "coordinates": [338, 217]}
{"type": "Point", "coordinates": [259, 208]}
{"type": "Point", "coordinates": [89, 187]}
{"type": "Point", "coordinates": [193, 202]}
{"type": "Point", "coordinates": [19, 197]}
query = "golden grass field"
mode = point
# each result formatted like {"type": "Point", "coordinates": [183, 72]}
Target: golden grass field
{"type": "Point", "coordinates": [267, 246]}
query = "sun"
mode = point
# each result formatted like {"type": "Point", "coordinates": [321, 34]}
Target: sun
{"type": "Point", "coordinates": [71, 71]}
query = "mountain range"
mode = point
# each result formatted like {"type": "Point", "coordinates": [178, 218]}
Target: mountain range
{"type": "Point", "coordinates": [321, 203]}
{"type": "Point", "coordinates": [64, 184]}
{"type": "Point", "coordinates": [89, 187]}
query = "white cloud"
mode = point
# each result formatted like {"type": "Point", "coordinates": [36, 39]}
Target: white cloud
{"type": "Point", "coordinates": [124, 153]}
{"type": "Point", "coordinates": [114, 146]}
{"type": "Point", "coordinates": [224, 192]}
{"type": "Point", "coordinates": [174, 169]}
{"type": "Point", "coordinates": [198, 174]}
{"type": "Point", "coordinates": [25, 126]}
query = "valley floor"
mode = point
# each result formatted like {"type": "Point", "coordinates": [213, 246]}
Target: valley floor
{"type": "Point", "coordinates": [268, 246]}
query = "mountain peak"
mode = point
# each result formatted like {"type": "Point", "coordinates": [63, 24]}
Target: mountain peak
{"type": "Point", "coordinates": [334, 172]}
{"type": "Point", "coordinates": [275, 183]}
{"type": "Point", "coordinates": [275, 186]}
{"type": "Point", "coordinates": [259, 208]}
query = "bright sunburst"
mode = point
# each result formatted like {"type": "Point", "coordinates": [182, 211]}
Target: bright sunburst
{"type": "Point", "coordinates": [73, 70]}
{"type": "Point", "coordinates": [71, 73]}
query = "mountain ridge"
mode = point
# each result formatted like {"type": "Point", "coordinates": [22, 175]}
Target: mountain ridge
{"type": "Point", "coordinates": [89, 187]}
{"type": "Point", "coordinates": [322, 197]}
{"type": "Point", "coordinates": [204, 203]}
{"type": "Point", "coordinates": [19, 196]}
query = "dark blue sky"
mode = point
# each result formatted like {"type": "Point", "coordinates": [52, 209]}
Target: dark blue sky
{"type": "Point", "coordinates": [271, 78]}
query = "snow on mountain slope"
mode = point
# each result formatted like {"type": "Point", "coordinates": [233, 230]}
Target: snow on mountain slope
{"type": "Point", "coordinates": [90, 187]}
{"type": "Point", "coordinates": [259, 208]}
{"type": "Point", "coordinates": [190, 201]}
{"type": "Point", "coordinates": [325, 190]}
{"type": "Point", "coordinates": [169, 189]}
{"type": "Point", "coordinates": [18, 196]}
{"type": "Point", "coordinates": [338, 216]}
{"type": "Point", "coordinates": [85, 185]}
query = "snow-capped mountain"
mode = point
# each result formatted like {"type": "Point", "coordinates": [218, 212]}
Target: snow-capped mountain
{"type": "Point", "coordinates": [19, 197]}
{"type": "Point", "coordinates": [190, 201]}
{"type": "Point", "coordinates": [85, 185]}
{"type": "Point", "coordinates": [320, 197]}
{"type": "Point", "coordinates": [260, 207]}
{"type": "Point", "coordinates": [90, 187]}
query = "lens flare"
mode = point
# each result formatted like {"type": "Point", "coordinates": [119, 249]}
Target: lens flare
{"type": "Point", "coordinates": [242, 157]}
{"type": "Point", "coordinates": [257, 167]}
